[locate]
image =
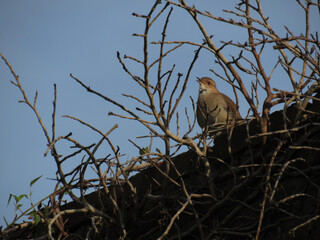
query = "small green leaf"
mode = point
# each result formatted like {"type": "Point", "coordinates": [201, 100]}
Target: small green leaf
{"type": "Point", "coordinates": [143, 151]}
{"type": "Point", "coordinates": [18, 198]}
{"type": "Point", "coordinates": [9, 199]}
{"type": "Point", "coordinates": [37, 219]}
{"type": "Point", "coordinates": [46, 211]}
{"type": "Point", "coordinates": [34, 180]}
{"type": "Point", "coordinates": [32, 213]}
{"type": "Point", "coordinates": [6, 221]}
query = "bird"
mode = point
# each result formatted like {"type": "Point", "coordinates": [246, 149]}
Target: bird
{"type": "Point", "coordinates": [213, 106]}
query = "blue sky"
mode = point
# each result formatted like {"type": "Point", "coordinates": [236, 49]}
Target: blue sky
{"type": "Point", "coordinates": [46, 40]}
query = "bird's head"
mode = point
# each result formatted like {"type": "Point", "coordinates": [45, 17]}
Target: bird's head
{"type": "Point", "coordinates": [207, 84]}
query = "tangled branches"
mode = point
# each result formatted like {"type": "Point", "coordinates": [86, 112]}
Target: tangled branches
{"type": "Point", "coordinates": [249, 185]}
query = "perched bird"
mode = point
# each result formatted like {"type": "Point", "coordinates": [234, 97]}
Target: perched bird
{"type": "Point", "coordinates": [213, 106]}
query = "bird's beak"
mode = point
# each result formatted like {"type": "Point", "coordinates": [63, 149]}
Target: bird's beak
{"type": "Point", "coordinates": [198, 80]}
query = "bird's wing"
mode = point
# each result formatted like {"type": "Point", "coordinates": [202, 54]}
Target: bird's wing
{"type": "Point", "coordinates": [231, 106]}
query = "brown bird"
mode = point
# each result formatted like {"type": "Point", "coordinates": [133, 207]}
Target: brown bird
{"type": "Point", "coordinates": [213, 106]}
